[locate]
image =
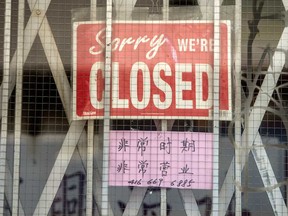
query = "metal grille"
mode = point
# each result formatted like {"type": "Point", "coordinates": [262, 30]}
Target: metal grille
{"type": "Point", "coordinates": [55, 162]}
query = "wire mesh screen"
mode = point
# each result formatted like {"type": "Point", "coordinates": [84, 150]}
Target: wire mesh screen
{"type": "Point", "coordinates": [143, 107]}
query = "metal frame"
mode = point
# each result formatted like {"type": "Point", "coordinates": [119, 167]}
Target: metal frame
{"type": "Point", "coordinates": [38, 24]}
{"type": "Point", "coordinates": [249, 139]}
{"type": "Point", "coordinates": [4, 104]}
{"type": "Point", "coordinates": [106, 122]}
{"type": "Point", "coordinates": [216, 108]}
{"type": "Point", "coordinates": [237, 75]}
{"type": "Point", "coordinates": [18, 109]}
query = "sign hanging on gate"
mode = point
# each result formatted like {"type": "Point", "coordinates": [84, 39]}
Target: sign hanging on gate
{"type": "Point", "coordinates": [165, 159]}
{"type": "Point", "coordinates": [160, 70]}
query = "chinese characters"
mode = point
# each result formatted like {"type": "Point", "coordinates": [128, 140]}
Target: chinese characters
{"type": "Point", "coordinates": [141, 145]}
{"type": "Point", "coordinates": [188, 145]}
{"type": "Point", "coordinates": [123, 144]}
{"type": "Point", "coordinates": [161, 159]}
{"type": "Point", "coordinates": [166, 146]}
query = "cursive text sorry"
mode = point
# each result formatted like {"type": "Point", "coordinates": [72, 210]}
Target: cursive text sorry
{"type": "Point", "coordinates": [119, 43]}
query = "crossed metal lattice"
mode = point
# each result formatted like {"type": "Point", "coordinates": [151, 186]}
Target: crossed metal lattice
{"type": "Point", "coordinates": [38, 24]}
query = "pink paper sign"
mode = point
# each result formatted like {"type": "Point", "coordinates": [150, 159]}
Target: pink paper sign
{"type": "Point", "coordinates": [161, 159]}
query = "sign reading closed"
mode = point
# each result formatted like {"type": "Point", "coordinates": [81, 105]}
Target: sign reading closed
{"type": "Point", "coordinates": [160, 70]}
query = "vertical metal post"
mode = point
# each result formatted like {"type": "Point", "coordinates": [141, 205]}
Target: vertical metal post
{"type": "Point", "coordinates": [165, 11]}
{"type": "Point", "coordinates": [89, 169]}
{"type": "Point", "coordinates": [93, 7]}
{"type": "Point", "coordinates": [163, 205]}
{"type": "Point", "coordinates": [106, 121]}
{"type": "Point", "coordinates": [90, 142]}
{"type": "Point", "coordinates": [18, 108]}
{"type": "Point", "coordinates": [285, 3]}
{"type": "Point", "coordinates": [237, 75]}
{"type": "Point", "coordinates": [216, 113]}
{"type": "Point", "coordinates": [4, 104]}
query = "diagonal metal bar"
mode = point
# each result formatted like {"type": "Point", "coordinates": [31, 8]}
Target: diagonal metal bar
{"type": "Point", "coordinates": [54, 59]}
{"type": "Point", "coordinates": [206, 8]}
{"type": "Point", "coordinates": [30, 33]}
{"type": "Point", "coordinates": [8, 192]}
{"type": "Point", "coordinates": [190, 203]}
{"type": "Point", "coordinates": [135, 200]}
{"type": "Point", "coordinates": [64, 89]}
{"type": "Point", "coordinates": [35, 22]}
{"type": "Point", "coordinates": [97, 175]}
{"type": "Point", "coordinates": [255, 119]}
{"type": "Point", "coordinates": [59, 168]}
{"type": "Point", "coordinates": [52, 53]}
{"type": "Point", "coordinates": [264, 166]}
{"type": "Point", "coordinates": [124, 9]}
{"type": "Point", "coordinates": [56, 65]}
{"type": "Point", "coordinates": [267, 175]}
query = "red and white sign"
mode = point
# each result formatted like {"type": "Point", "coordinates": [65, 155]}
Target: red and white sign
{"type": "Point", "coordinates": [160, 70]}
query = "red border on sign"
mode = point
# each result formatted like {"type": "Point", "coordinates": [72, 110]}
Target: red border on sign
{"type": "Point", "coordinates": [157, 70]}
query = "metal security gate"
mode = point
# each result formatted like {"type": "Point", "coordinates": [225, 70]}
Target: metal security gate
{"type": "Point", "coordinates": [51, 164]}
